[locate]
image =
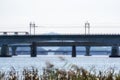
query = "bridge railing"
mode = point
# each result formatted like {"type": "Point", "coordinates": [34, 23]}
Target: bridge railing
{"type": "Point", "coordinates": [27, 33]}
{"type": "Point", "coordinates": [14, 33]}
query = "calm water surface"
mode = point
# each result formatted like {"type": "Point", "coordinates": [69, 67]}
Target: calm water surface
{"type": "Point", "coordinates": [21, 61]}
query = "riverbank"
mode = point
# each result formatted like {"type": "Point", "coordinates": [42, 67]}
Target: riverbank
{"type": "Point", "coordinates": [50, 73]}
{"type": "Point", "coordinates": [57, 66]}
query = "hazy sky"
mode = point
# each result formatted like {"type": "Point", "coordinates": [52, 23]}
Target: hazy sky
{"type": "Point", "coordinates": [62, 16]}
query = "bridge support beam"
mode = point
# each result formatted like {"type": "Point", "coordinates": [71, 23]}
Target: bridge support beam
{"type": "Point", "coordinates": [73, 51]}
{"type": "Point", "coordinates": [5, 51]}
{"type": "Point", "coordinates": [115, 51]}
{"type": "Point", "coordinates": [14, 48]}
{"type": "Point", "coordinates": [87, 51]}
{"type": "Point", "coordinates": [33, 50]}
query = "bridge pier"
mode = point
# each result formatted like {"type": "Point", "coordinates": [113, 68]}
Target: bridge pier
{"type": "Point", "coordinates": [87, 51]}
{"type": "Point", "coordinates": [73, 51]}
{"type": "Point", "coordinates": [115, 51]}
{"type": "Point", "coordinates": [5, 51]}
{"type": "Point", "coordinates": [14, 48]}
{"type": "Point", "coordinates": [33, 49]}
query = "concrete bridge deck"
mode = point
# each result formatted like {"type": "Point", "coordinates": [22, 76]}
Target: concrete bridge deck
{"type": "Point", "coordinates": [15, 39]}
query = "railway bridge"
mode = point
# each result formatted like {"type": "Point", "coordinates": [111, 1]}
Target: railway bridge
{"type": "Point", "coordinates": [86, 40]}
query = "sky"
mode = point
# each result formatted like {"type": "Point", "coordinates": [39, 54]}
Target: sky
{"type": "Point", "coordinates": [61, 16]}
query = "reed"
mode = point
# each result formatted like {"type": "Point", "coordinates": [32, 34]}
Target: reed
{"type": "Point", "coordinates": [2, 75]}
{"type": "Point", "coordinates": [49, 72]}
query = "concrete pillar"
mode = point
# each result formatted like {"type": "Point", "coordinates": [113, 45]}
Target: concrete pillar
{"type": "Point", "coordinates": [14, 48]}
{"type": "Point", "coordinates": [115, 51]}
{"type": "Point", "coordinates": [87, 51]}
{"type": "Point", "coordinates": [73, 51]}
{"type": "Point", "coordinates": [33, 50]}
{"type": "Point", "coordinates": [5, 51]}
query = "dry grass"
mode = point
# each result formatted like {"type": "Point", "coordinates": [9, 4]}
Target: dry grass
{"type": "Point", "coordinates": [51, 73]}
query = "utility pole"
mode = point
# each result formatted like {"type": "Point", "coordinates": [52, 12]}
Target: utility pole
{"type": "Point", "coordinates": [32, 25]}
{"type": "Point", "coordinates": [87, 28]}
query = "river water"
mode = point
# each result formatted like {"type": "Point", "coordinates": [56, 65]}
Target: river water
{"type": "Point", "coordinates": [100, 62]}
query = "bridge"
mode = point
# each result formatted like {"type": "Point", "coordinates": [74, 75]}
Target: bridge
{"type": "Point", "coordinates": [86, 40]}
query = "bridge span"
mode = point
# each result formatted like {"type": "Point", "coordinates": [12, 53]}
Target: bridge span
{"type": "Point", "coordinates": [62, 40]}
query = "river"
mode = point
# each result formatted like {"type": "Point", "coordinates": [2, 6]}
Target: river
{"type": "Point", "coordinates": [99, 62]}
